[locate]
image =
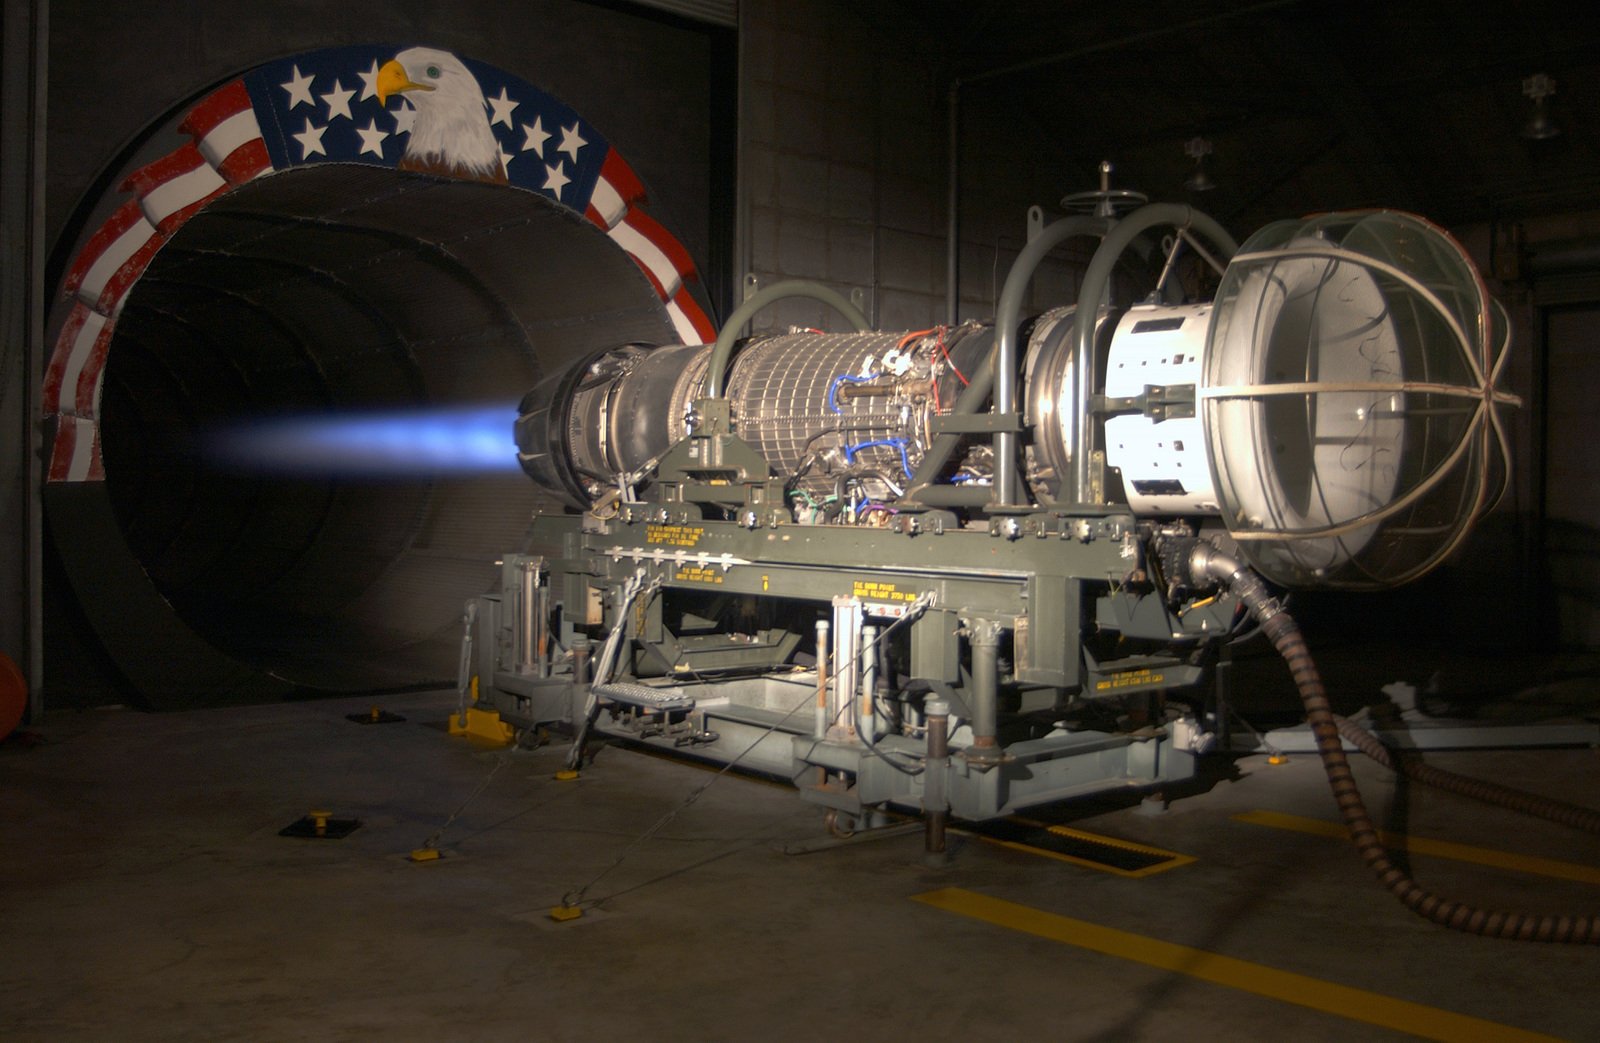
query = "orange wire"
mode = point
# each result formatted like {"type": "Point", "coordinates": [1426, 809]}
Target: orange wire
{"type": "Point", "coordinates": [946, 353]}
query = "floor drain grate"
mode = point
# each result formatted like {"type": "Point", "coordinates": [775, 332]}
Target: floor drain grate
{"type": "Point", "coordinates": [320, 825]}
{"type": "Point", "coordinates": [1123, 857]}
{"type": "Point", "coordinates": [374, 716]}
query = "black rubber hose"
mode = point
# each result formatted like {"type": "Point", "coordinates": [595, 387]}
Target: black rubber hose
{"type": "Point", "coordinates": [1287, 639]}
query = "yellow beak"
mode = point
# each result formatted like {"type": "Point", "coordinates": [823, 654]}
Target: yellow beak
{"type": "Point", "coordinates": [392, 79]}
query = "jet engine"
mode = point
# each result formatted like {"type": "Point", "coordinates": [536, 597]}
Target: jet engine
{"type": "Point", "coordinates": [980, 567]}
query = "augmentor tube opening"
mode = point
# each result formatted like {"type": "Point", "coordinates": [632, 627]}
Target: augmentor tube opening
{"type": "Point", "coordinates": [333, 304]}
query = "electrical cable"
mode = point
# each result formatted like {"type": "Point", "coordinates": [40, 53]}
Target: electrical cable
{"type": "Point", "coordinates": [833, 388]}
{"type": "Point", "coordinates": [914, 334]}
{"type": "Point", "coordinates": [1261, 739]}
{"type": "Point", "coordinates": [850, 451]}
{"type": "Point", "coordinates": [945, 351]}
{"type": "Point", "coordinates": [499, 762]}
{"type": "Point", "coordinates": [574, 899]}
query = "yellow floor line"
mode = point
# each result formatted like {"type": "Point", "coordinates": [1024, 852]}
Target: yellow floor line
{"type": "Point", "coordinates": [1483, 856]}
{"type": "Point", "coordinates": [1340, 1000]}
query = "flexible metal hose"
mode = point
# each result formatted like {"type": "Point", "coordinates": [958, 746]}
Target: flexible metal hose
{"type": "Point", "coordinates": [1325, 728]}
{"type": "Point", "coordinates": [1586, 819]}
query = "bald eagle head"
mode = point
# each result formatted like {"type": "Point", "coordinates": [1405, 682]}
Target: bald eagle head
{"type": "Point", "coordinates": [451, 132]}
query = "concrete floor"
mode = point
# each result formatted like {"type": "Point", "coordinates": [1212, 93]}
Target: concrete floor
{"type": "Point", "coordinates": [148, 896]}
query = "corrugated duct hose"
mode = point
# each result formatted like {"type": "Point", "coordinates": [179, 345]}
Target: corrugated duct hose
{"type": "Point", "coordinates": [1207, 563]}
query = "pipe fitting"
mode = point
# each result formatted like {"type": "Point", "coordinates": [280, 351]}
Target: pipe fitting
{"type": "Point", "coordinates": [1209, 564]}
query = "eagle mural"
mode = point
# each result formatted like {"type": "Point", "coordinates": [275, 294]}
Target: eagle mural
{"type": "Point", "coordinates": [458, 118]}
{"type": "Point", "coordinates": [450, 132]}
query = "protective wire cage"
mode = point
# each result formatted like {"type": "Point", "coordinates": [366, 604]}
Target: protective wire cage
{"type": "Point", "coordinates": [1349, 399]}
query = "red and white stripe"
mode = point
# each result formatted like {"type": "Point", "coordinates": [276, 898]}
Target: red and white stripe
{"type": "Point", "coordinates": [614, 209]}
{"type": "Point", "coordinates": [113, 258]}
{"type": "Point", "coordinates": [71, 381]}
{"type": "Point", "coordinates": [225, 129]}
{"type": "Point", "coordinates": [225, 149]}
{"type": "Point", "coordinates": [616, 192]}
{"type": "Point", "coordinates": [689, 319]}
{"type": "Point", "coordinates": [175, 187]}
{"type": "Point", "coordinates": [662, 258]}
{"type": "Point", "coordinates": [75, 452]}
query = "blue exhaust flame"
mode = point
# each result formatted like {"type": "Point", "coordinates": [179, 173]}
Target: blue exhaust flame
{"type": "Point", "coordinates": [449, 441]}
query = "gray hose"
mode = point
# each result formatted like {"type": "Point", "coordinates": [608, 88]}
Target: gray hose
{"type": "Point", "coordinates": [1008, 314]}
{"type": "Point", "coordinates": [1096, 280]}
{"type": "Point", "coordinates": [1208, 562]}
{"type": "Point", "coordinates": [722, 351]}
{"type": "Point", "coordinates": [999, 369]}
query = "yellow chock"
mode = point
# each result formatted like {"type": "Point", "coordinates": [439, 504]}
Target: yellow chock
{"type": "Point", "coordinates": [320, 819]}
{"type": "Point", "coordinates": [1277, 758]}
{"type": "Point", "coordinates": [425, 854]}
{"type": "Point", "coordinates": [566, 775]}
{"type": "Point", "coordinates": [563, 913]}
{"type": "Point", "coordinates": [482, 724]}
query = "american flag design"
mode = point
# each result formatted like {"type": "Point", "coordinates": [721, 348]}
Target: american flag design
{"type": "Point", "coordinates": [327, 106]}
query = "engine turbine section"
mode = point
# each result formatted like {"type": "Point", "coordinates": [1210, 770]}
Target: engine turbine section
{"type": "Point", "coordinates": [823, 410]}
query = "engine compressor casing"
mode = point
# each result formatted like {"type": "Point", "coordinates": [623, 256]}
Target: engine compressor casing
{"type": "Point", "coordinates": [805, 402]}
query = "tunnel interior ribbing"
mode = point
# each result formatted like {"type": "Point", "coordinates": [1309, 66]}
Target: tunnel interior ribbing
{"type": "Point", "coordinates": [343, 289]}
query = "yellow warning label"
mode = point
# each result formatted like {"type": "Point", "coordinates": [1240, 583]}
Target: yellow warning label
{"type": "Point", "coordinates": [880, 592]}
{"type": "Point", "coordinates": [674, 535]}
{"type": "Point", "coordinates": [1130, 679]}
{"type": "Point", "coordinates": [698, 574]}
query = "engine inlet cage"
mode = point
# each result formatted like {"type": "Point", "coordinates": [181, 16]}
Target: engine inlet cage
{"type": "Point", "coordinates": [1349, 399]}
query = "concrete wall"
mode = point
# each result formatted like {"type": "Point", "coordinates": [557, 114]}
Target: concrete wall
{"type": "Point", "coordinates": [1556, 296]}
{"type": "Point", "coordinates": [22, 247]}
{"type": "Point", "coordinates": [841, 168]}
{"type": "Point", "coordinates": [844, 166]}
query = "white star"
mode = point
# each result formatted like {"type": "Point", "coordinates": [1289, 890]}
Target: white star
{"type": "Point", "coordinates": [338, 101]}
{"type": "Point", "coordinates": [311, 140]}
{"type": "Point", "coordinates": [404, 117]}
{"type": "Point", "coordinates": [369, 81]}
{"type": "Point", "coordinates": [502, 107]}
{"type": "Point", "coordinates": [372, 138]}
{"type": "Point", "coordinates": [535, 137]}
{"type": "Point", "coordinates": [556, 179]}
{"type": "Point", "coordinates": [299, 88]}
{"type": "Point", "coordinates": [505, 159]}
{"type": "Point", "coordinates": [571, 142]}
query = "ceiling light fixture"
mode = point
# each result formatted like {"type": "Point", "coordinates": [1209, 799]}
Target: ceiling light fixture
{"type": "Point", "coordinates": [1197, 149]}
{"type": "Point", "coordinates": [1541, 126]}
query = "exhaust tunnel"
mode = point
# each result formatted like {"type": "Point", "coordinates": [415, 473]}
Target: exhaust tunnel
{"type": "Point", "coordinates": [325, 290]}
